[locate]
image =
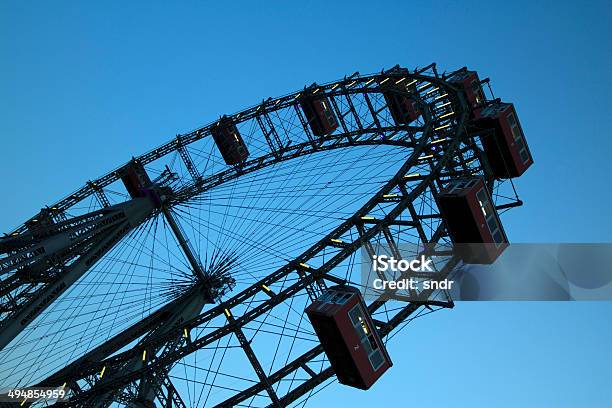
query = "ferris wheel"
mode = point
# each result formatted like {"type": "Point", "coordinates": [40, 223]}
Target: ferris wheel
{"type": "Point", "coordinates": [185, 277]}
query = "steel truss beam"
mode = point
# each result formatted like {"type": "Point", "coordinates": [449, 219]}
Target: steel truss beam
{"type": "Point", "coordinates": [151, 382]}
{"type": "Point", "coordinates": [123, 218]}
{"type": "Point", "coordinates": [187, 160]}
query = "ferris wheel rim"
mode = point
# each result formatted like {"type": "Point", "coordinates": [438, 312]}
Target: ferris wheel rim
{"type": "Point", "coordinates": [428, 131]}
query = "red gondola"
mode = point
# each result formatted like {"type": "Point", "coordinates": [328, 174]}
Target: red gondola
{"type": "Point", "coordinates": [505, 146]}
{"type": "Point", "coordinates": [319, 115]}
{"type": "Point", "coordinates": [348, 336]}
{"type": "Point", "coordinates": [472, 220]}
{"type": "Point", "coordinates": [138, 184]}
{"type": "Point", "coordinates": [229, 142]}
{"type": "Point", "coordinates": [135, 179]}
{"type": "Point", "coordinates": [403, 109]}
{"type": "Point", "coordinates": [470, 83]}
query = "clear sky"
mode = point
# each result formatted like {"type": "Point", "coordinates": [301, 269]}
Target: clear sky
{"type": "Point", "coordinates": [83, 87]}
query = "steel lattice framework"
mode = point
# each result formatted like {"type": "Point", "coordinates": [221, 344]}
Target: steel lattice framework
{"type": "Point", "coordinates": [43, 258]}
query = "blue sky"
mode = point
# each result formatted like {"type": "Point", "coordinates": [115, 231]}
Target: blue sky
{"type": "Point", "coordinates": [84, 87]}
